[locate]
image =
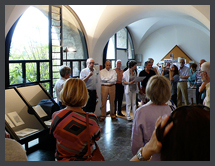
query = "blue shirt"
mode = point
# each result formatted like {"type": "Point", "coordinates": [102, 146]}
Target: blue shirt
{"type": "Point", "coordinates": [192, 78]}
{"type": "Point", "coordinates": [92, 81]}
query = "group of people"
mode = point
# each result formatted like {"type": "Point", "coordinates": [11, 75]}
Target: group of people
{"type": "Point", "coordinates": [183, 78]}
{"type": "Point", "coordinates": [159, 131]}
{"type": "Point", "coordinates": [152, 137]}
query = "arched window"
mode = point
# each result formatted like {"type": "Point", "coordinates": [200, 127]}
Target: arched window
{"type": "Point", "coordinates": [40, 42]}
{"type": "Point", "coordinates": [120, 46]}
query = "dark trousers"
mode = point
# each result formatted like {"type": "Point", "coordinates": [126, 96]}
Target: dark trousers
{"type": "Point", "coordinates": [174, 99]}
{"type": "Point", "coordinates": [91, 103]}
{"type": "Point", "coordinates": [198, 95]}
{"type": "Point", "coordinates": [61, 105]}
{"type": "Point", "coordinates": [118, 98]}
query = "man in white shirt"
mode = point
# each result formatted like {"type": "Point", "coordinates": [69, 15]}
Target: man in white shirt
{"type": "Point", "coordinates": [65, 73]}
{"type": "Point", "coordinates": [184, 73]}
{"type": "Point", "coordinates": [108, 81]}
{"type": "Point", "coordinates": [205, 74]}
{"type": "Point", "coordinates": [89, 76]}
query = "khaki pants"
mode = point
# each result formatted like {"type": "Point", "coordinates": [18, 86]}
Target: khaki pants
{"type": "Point", "coordinates": [182, 91]}
{"type": "Point", "coordinates": [105, 91]}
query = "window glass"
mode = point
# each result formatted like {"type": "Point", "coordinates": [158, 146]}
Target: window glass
{"type": "Point", "coordinates": [31, 72]}
{"type": "Point", "coordinates": [72, 36]}
{"type": "Point", "coordinates": [121, 39]}
{"type": "Point", "coordinates": [111, 48]}
{"type": "Point", "coordinates": [30, 41]}
{"type": "Point", "coordinates": [44, 71]}
{"type": "Point", "coordinates": [46, 85]}
{"type": "Point", "coordinates": [75, 69]}
{"type": "Point", "coordinates": [56, 75]}
{"type": "Point", "coordinates": [30, 38]}
{"type": "Point", "coordinates": [113, 64]}
{"type": "Point", "coordinates": [130, 55]}
{"type": "Point", "coordinates": [15, 71]}
{"type": "Point", "coordinates": [83, 65]}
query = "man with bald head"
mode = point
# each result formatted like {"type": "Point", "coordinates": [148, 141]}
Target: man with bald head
{"type": "Point", "coordinates": [184, 74]}
{"type": "Point", "coordinates": [205, 74]}
{"type": "Point", "coordinates": [108, 81]}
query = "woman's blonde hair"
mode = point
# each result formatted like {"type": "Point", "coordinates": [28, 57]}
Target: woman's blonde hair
{"type": "Point", "coordinates": [158, 89]}
{"type": "Point", "coordinates": [74, 93]}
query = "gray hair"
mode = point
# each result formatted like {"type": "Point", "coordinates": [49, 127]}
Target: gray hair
{"type": "Point", "coordinates": [118, 60]}
{"type": "Point", "coordinates": [206, 67]}
{"type": "Point", "coordinates": [89, 60]}
{"type": "Point", "coordinates": [158, 89]}
{"type": "Point", "coordinates": [150, 59]}
{"type": "Point", "coordinates": [64, 70]}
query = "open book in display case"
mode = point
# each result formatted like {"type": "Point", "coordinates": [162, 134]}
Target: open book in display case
{"type": "Point", "coordinates": [27, 114]}
{"type": "Point", "coordinates": [40, 100]}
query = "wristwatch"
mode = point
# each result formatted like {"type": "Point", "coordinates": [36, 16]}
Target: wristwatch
{"type": "Point", "coordinates": [139, 155]}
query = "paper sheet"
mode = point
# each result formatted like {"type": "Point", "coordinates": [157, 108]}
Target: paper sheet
{"type": "Point", "coordinates": [39, 110]}
{"type": "Point", "coordinates": [9, 121]}
{"type": "Point", "coordinates": [16, 119]}
{"type": "Point", "coordinates": [48, 122]}
{"type": "Point", "coordinates": [139, 79]}
{"type": "Point", "coordinates": [26, 131]}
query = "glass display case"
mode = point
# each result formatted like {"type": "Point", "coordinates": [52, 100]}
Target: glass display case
{"type": "Point", "coordinates": [40, 100]}
{"type": "Point", "coordinates": [20, 120]}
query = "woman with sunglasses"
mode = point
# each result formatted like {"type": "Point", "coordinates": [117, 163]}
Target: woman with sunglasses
{"type": "Point", "coordinates": [182, 136]}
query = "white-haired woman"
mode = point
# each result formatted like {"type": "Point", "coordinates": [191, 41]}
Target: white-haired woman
{"type": "Point", "coordinates": [158, 90]}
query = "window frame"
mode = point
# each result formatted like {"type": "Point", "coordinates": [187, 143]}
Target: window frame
{"type": "Point", "coordinates": [129, 38]}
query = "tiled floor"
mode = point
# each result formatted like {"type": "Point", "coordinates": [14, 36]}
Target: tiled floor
{"type": "Point", "coordinates": [114, 144]}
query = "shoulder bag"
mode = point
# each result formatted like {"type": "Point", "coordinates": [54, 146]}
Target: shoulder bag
{"type": "Point", "coordinates": [96, 154]}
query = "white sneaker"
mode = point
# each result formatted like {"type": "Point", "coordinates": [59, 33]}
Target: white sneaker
{"type": "Point", "coordinates": [129, 119]}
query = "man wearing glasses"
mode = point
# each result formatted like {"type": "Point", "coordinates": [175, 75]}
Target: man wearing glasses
{"type": "Point", "coordinates": [89, 76]}
{"type": "Point", "coordinates": [205, 74]}
{"type": "Point", "coordinates": [182, 84]}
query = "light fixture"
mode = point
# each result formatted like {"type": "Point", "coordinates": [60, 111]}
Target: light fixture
{"type": "Point", "coordinates": [68, 50]}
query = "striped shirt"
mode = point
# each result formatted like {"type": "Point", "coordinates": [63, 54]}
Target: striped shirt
{"type": "Point", "coordinates": [198, 77]}
{"type": "Point", "coordinates": [69, 129]}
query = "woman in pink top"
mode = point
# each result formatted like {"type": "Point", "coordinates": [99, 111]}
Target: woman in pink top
{"type": "Point", "coordinates": [158, 90]}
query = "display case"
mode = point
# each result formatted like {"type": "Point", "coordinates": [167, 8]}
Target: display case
{"type": "Point", "coordinates": [40, 100]}
{"type": "Point", "coordinates": [28, 115]}
{"type": "Point", "coordinates": [20, 120]}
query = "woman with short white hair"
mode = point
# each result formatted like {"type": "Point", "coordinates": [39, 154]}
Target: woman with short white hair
{"type": "Point", "coordinates": [158, 90]}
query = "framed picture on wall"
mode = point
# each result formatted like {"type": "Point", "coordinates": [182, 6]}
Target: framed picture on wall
{"type": "Point", "coordinates": [171, 56]}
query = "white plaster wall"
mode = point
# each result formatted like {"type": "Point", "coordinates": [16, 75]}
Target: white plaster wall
{"type": "Point", "coordinates": [193, 42]}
